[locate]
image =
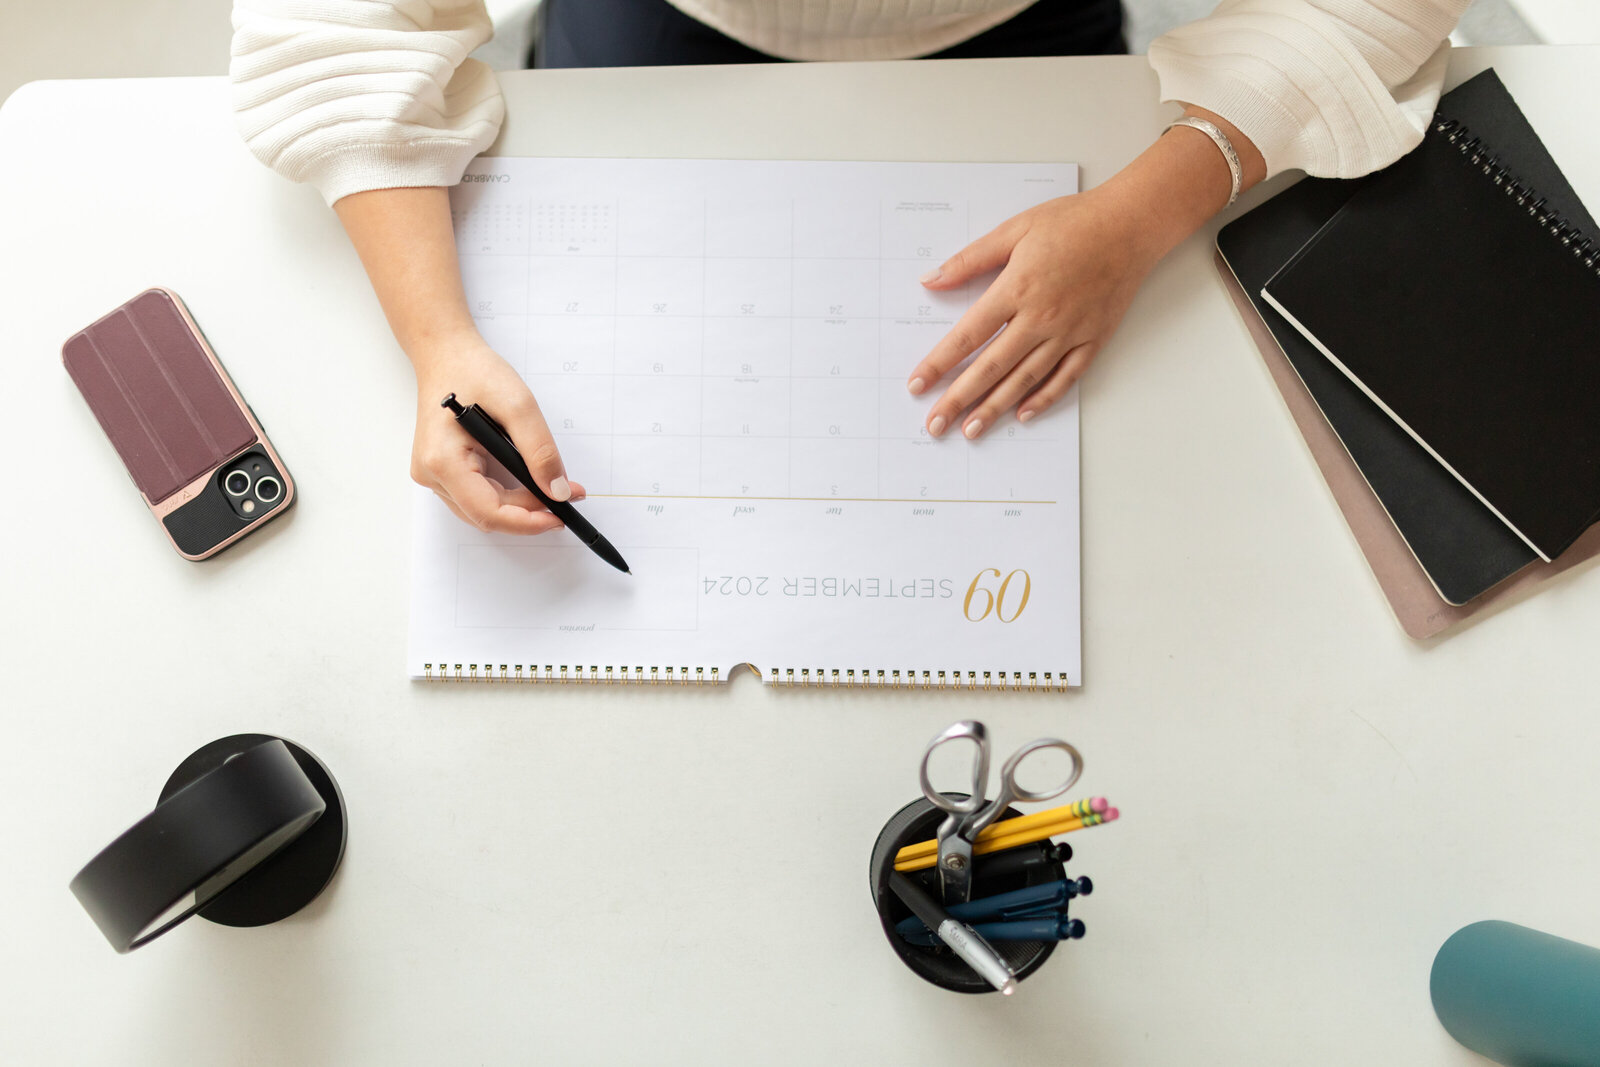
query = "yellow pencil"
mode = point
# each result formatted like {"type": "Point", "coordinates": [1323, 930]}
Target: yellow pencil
{"type": "Point", "coordinates": [1039, 833]}
{"type": "Point", "coordinates": [1001, 843]}
{"type": "Point", "coordinates": [1020, 824]}
{"type": "Point", "coordinates": [1011, 827]}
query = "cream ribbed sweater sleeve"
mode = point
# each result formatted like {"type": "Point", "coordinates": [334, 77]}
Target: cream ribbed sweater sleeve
{"type": "Point", "coordinates": [1336, 88]}
{"type": "Point", "coordinates": [351, 95]}
{"type": "Point", "coordinates": [370, 94]}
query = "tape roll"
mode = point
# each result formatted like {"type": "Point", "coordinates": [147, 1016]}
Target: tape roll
{"type": "Point", "coordinates": [200, 840]}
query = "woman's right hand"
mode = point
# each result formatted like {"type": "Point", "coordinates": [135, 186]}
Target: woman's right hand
{"type": "Point", "coordinates": [447, 460]}
{"type": "Point", "coordinates": [408, 247]}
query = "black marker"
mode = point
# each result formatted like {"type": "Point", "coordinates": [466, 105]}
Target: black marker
{"type": "Point", "coordinates": [1011, 862]}
{"type": "Point", "coordinates": [493, 437]}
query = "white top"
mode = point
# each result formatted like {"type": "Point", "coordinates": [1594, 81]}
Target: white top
{"type": "Point", "coordinates": [352, 95]}
{"type": "Point", "coordinates": [852, 29]}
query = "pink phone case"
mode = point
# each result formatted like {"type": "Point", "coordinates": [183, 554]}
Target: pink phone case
{"type": "Point", "coordinates": [185, 435]}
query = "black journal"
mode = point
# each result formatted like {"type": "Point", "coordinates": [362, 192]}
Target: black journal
{"type": "Point", "coordinates": [1398, 279]}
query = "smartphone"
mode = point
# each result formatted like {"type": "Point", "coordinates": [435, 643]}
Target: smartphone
{"type": "Point", "coordinates": [190, 443]}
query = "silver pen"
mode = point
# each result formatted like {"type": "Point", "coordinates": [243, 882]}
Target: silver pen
{"type": "Point", "coordinates": [963, 940]}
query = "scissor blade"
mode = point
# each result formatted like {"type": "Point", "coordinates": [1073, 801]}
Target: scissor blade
{"type": "Point", "coordinates": [955, 869]}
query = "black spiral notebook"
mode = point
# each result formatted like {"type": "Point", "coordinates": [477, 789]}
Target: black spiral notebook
{"type": "Point", "coordinates": [1463, 549]}
{"type": "Point", "coordinates": [1459, 544]}
{"type": "Point", "coordinates": [1460, 291]}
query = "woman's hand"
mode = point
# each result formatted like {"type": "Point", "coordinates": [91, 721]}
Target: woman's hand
{"type": "Point", "coordinates": [1071, 268]}
{"type": "Point", "coordinates": [406, 243]}
{"type": "Point", "coordinates": [444, 457]}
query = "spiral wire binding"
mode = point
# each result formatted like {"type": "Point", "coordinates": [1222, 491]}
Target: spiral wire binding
{"type": "Point", "coordinates": [842, 678]}
{"type": "Point", "coordinates": [567, 673]}
{"type": "Point", "coordinates": [846, 678]}
{"type": "Point", "coordinates": [1475, 152]}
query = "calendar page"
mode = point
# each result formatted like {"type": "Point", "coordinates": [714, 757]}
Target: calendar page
{"type": "Point", "coordinates": [722, 348]}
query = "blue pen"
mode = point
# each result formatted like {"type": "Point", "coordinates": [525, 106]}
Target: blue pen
{"type": "Point", "coordinates": [1031, 902]}
{"type": "Point", "coordinates": [1054, 928]}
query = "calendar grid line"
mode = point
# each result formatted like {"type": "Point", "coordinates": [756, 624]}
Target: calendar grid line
{"type": "Point", "coordinates": [665, 255]}
{"type": "Point", "coordinates": [668, 436]}
{"type": "Point", "coordinates": [966, 287]}
{"type": "Point", "coordinates": [789, 484]}
{"type": "Point", "coordinates": [912, 319]}
{"type": "Point", "coordinates": [616, 279]}
{"type": "Point", "coordinates": [705, 247]}
{"type": "Point", "coordinates": [921, 500]}
{"type": "Point", "coordinates": [667, 375]}
{"type": "Point", "coordinates": [527, 325]}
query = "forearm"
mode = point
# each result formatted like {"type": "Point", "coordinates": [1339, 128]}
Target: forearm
{"type": "Point", "coordinates": [1173, 187]}
{"type": "Point", "coordinates": [1336, 88]}
{"type": "Point", "coordinates": [407, 245]}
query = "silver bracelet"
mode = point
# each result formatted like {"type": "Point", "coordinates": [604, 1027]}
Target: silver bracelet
{"type": "Point", "coordinates": [1220, 139]}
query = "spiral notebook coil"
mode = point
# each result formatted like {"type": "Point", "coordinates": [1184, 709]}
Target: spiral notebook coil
{"type": "Point", "coordinates": [912, 679]}
{"type": "Point", "coordinates": [787, 677]}
{"type": "Point", "coordinates": [1478, 154]}
{"type": "Point", "coordinates": [563, 673]}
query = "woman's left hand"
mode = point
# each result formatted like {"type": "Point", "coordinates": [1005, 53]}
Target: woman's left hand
{"type": "Point", "coordinates": [1071, 268]}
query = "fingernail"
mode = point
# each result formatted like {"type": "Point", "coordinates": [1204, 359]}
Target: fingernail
{"type": "Point", "coordinates": [1024, 416]}
{"type": "Point", "coordinates": [932, 276]}
{"type": "Point", "coordinates": [916, 385]}
{"type": "Point", "coordinates": [936, 427]}
{"type": "Point", "coordinates": [559, 489]}
{"type": "Point", "coordinates": [974, 428]}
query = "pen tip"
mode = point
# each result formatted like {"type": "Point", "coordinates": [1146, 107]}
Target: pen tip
{"type": "Point", "coordinates": [628, 571]}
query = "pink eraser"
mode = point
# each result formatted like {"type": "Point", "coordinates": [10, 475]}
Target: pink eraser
{"type": "Point", "coordinates": [1111, 813]}
{"type": "Point", "coordinates": [1097, 805]}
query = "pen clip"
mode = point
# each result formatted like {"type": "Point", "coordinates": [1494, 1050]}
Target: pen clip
{"type": "Point", "coordinates": [458, 411]}
{"type": "Point", "coordinates": [501, 430]}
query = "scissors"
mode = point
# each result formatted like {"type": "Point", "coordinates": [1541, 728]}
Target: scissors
{"type": "Point", "coordinates": [965, 819]}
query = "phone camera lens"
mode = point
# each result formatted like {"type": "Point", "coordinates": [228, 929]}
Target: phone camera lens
{"type": "Point", "coordinates": [237, 483]}
{"type": "Point", "coordinates": [268, 489]}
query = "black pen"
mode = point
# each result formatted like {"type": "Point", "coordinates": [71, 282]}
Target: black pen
{"type": "Point", "coordinates": [1011, 862]}
{"type": "Point", "coordinates": [493, 437]}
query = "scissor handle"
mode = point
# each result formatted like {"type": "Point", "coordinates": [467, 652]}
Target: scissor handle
{"type": "Point", "coordinates": [961, 731]}
{"type": "Point", "coordinates": [1010, 791]}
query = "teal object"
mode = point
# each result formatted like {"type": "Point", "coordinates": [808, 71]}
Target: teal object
{"type": "Point", "coordinates": [1519, 996]}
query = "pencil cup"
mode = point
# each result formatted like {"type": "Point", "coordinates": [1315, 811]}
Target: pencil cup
{"type": "Point", "coordinates": [1519, 996]}
{"type": "Point", "coordinates": [919, 821]}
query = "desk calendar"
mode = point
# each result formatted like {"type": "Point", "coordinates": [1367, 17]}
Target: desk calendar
{"type": "Point", "coordinates": [721, 348]}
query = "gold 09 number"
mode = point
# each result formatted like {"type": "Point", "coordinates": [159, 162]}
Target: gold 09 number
{"type": "Point", "coordinates": [996, 600]}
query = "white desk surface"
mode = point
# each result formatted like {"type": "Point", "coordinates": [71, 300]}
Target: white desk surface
{"type": "Point", "coordinates": [599, 875]}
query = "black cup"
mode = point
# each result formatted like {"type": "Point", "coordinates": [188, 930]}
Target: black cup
{"type": "Point", "coordinates": [918, 821]}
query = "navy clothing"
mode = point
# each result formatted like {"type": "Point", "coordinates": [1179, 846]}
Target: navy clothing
{"type": "Point", "coordinates": [653, 33]}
